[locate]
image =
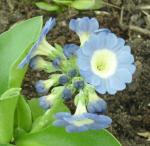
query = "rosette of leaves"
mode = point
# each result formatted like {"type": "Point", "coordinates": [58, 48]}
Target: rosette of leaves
{"type": "Point", "coordinates": [23, 122]}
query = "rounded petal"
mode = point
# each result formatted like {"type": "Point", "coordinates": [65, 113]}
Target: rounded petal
{"type": "Point", "coordinates": [111, 40]}
{"type": "Point", "coordinates": [44, 103]}
{"type": "Point", "coordinates": [84, 25]}
{"type": "Point", "coordinates": [72, 128]}
{"type": "Point", "coordinates": [125, 58]}
{"type": "Point", "coordinates": [93, 25]}
{"type": "Point", "coordinates": [117, 83]}
{"type": "Point", "coordinates": [120, 44]}
{"type": "Point", "coordinates": [61, 115]}
{"type": "Point", "coordinates": [106, 30]}
{"type": "Point", "coordinates": [110, 89]}
{"type": "Point", "coordinates": [83, 62]}
{"type": "Point", "coordinates": [70, 50]}
{"type": "Point", "coordinates": [124, 74]}
{"type": "Point", "coordinates": [90, 77]}
{"type": "Point", "coordinates": [130, 67]}
{"type": "Point", "coordinates": [60, 123]}
{"type": "Point", "coordinates": [102, 87]}
{"type": "Point", "coordinates": [97, 106]}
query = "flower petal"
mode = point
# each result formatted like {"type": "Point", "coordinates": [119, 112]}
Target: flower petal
{"type": "Point", "coordinates": [124, 74]}
{"type": "Point", "coordinates": [125, 58]}
{"type": "Point", "coordinates": [48, 26]}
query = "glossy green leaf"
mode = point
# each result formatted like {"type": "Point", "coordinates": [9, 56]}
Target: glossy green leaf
{"type": "Point", "coordinates": [23, 117]}
{"type": "Point", "coordinates": [8, 102]}
{"type": "Point", "coordinates": [14, 44]}
{"type": "Point", "coordinates": [83, 4]}
{"type": "Point", "coordinates": [56, 136]}
{"type": "Point", "coordinates": [98, 4]}
{"type": "Point", "coordinates": [64, 2]}
{"type": "Point", "coordinates": [36, 109]}
{"type": "Point", "coordinates": [47, 7]}
{"type": "Point", "coordinates": [6, 145]}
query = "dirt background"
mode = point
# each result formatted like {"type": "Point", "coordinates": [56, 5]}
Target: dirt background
{"type": "Point", "coordinates": [130, 109]}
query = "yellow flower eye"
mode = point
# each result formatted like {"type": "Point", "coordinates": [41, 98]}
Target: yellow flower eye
{"type": "Point", "coordinates": [104, 63]}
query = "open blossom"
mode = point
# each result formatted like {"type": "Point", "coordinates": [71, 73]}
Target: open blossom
{"type": "Point", "coordinates": [81, 120]}
{"type": "Point", "coordinates": [106, 62]}
{"type": "Point", "coordinates": [84, 27]}
{"type": "Point", "coordinates": [40, 46]}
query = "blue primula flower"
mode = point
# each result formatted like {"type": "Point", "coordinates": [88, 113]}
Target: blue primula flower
{"type": "Point", "coordinates": [48, 100]}
{"type": "Point", "coordinates": [43, 86]}
{"type": "Point", "coordinates": [81, 120]}
{"type": "Point", "coordinates": [38, 63]}
{"type": "Point", "coordinates": [67, 94]}
{"type": "Point", "coordinates": [95, 103]}
{"type": "Point", "coordinates": [48, 26]}
{"type": "Point", "coordinates": [106, 62]}
{"type": "Point", "coordinates": [84, 27]}
{"type": "Point", "coordinates": [63, 79]}
{"type": "Point", "coordinates": [70, 50]}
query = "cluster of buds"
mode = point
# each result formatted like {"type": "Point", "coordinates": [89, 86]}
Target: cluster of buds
{"type": "Point", "coordinates": [102, 63]}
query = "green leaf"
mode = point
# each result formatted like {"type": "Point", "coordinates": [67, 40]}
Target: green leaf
{"type": "Point", "coordinates": [53, 136]}
{"type": "Point", "coordinates": [36, 109]}
{"type": "Point", "coordinates": [98, 4]}
{"type": "Point", "coordinates": [6, 145]}
{"type": "Point", "coordinates": [14, 44]}
{"type": "Point", "coordinates": [83, 5]}
{"type": "Point", "coordinates": [48, 116]}
{"type": "Point", "coordinates": [23, 118]}
{"type": "Point", "coordinates": [64, 2]}
{"type": "Point", "coordinates": [8, 102]}
{"type": "Point", "coordinates": [47, 7]}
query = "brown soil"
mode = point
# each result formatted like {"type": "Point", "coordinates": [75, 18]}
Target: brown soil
{"type": "Point", "coordinates": [130, 109]}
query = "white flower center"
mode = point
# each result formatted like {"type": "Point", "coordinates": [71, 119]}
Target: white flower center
{"type": "Point", "coordinates": [104, 63]}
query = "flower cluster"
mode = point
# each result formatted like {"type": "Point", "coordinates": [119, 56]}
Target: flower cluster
{"type": "Point", "coordinates": [102, 63]}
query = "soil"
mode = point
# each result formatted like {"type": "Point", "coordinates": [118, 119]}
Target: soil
{"type": "Point", "coordinates": [129, 109]}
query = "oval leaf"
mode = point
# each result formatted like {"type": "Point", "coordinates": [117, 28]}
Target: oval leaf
{"type": "Point", "coordinates": [23, 115]}
{"type": "Point", "coordinates": [64, 2]}
{"type": "Point", "coordinates": [14, 44]}
{"type": "Point", "coordinates": [47, 7]}
{"type": "Point", "coordinates": [83, 5]}
{"type": "Point", "coordinates": [54, 136]}
{"type": "Point", "coordinates": [8, 102]}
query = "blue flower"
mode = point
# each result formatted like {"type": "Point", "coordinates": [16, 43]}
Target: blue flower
{"type": "Point", "coordinates": [70, 50]}
{"type": "Point", "coordinates": [63, 79]}
{"type": "Point", "coordinates": [67, 94]}
{"type": "Point", "coordinates": [81, 120]}
{"type": "Point", "coordinates": [97, 106]}
{"type": "Point", "coordinates": [106, 62]}
{"type": "Point", "coordinates": [44, 103]}
{"type": "Point", "coordinates": [56, 62]}
{"type": "Point", "coordinates": [48, 26]}
{"type": "Point", "coordinates": [72, 73]}
{"type": "Point", "coordinates": [84, 27]}
{"type": "Point", "coordinates": [79, 84]}
{"type": "Point", "coordinates": [43, 86]}
{"type": "Point", "coordinates": [38, 63]}
{"type": "Point", "coordinates": [95, 103]}
{"type": "Point", "coordinates": [48, 100]}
